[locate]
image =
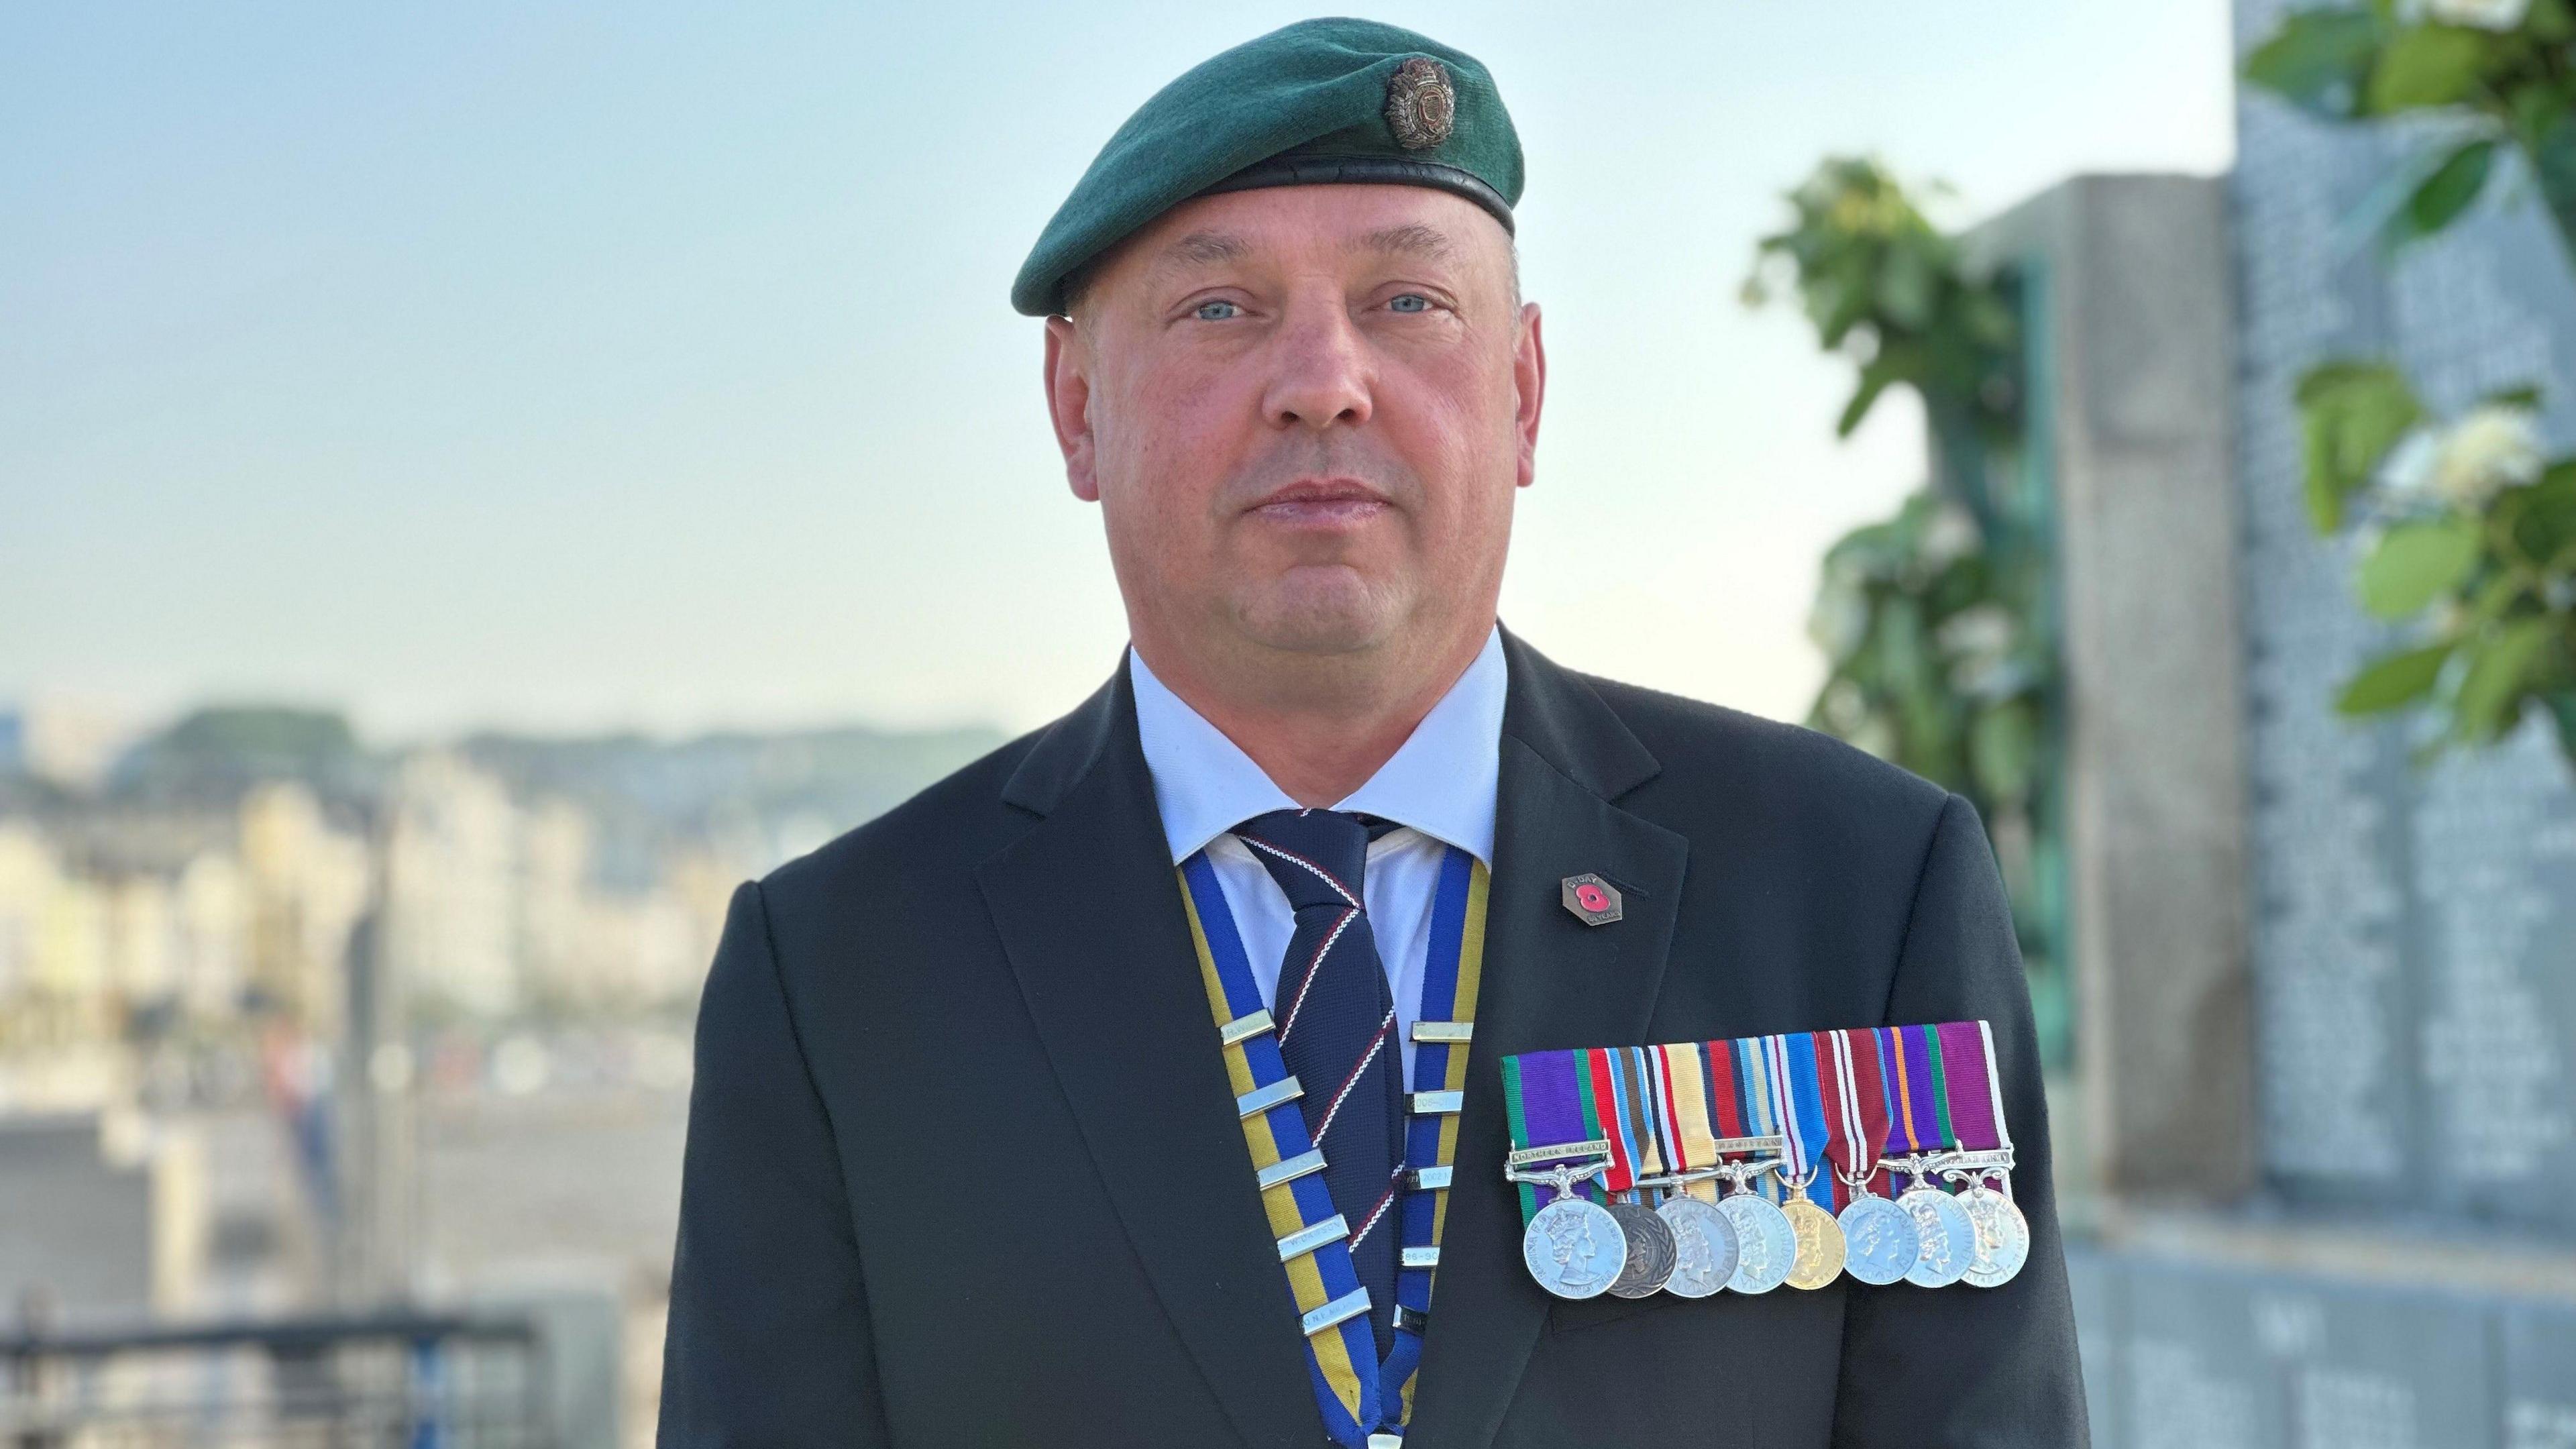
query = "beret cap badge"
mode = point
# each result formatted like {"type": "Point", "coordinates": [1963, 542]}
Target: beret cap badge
{"type": "Point", "coordinates": [1421, 108]}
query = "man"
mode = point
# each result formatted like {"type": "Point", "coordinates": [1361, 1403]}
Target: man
{"type": "Point", "coordinates": [975, 1155]}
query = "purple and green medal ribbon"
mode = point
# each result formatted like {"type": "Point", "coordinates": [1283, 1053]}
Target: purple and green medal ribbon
{"type": "Point", "coordinates": [1358, 1395]}
{"type": "Point", "coordinates": [1941, 1088]}
{"type": "Point", "coordinates": [1547, 1099]}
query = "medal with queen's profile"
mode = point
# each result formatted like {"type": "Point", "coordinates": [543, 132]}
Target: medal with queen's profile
{"type": "Point", "coordinates": [1949, 1238]}
{"type": "Point", "coordinates": [1704, 1246]}
{"type": "Point", "coordinates": [1880, 1241]}
{"type": "Point", "coordinates": [1767, 1242]}
{"type": "Point", "coordinates": [1574, 1248]}
{"type": "Point", "coordinates": [1819, 1256]}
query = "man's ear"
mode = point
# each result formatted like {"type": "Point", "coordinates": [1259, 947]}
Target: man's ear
{"type": "Point", "coordinates": [1068, 391]}
{"type": "Point", "coordinates": [1529, 379]}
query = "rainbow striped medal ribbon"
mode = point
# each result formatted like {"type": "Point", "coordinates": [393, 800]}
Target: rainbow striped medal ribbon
{"type": "Point", "coordinates": [1740, 1101]}
{"type": "Point", "coordinates": [1919, 1128]}
{"type": "Point", "coordinates": [1881, 1242]}
{"type": "Point", "coordinates": [1985, 1153]}
{"type": "Point", "coordinates": [1571, 1244]}
{"type": "Point", "coordinates": [1796, 1088]}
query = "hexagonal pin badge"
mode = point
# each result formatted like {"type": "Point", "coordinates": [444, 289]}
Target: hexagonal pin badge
{"type": "Point", "coordinates": [1594, 901]}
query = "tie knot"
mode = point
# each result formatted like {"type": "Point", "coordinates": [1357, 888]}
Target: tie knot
{"type": "Point", "coordinates": [1319, 857]}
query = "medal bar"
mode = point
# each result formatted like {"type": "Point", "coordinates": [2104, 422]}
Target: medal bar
{"type": "Point", "coordinates": [1341, 1310]}
{"type": "Point", "coordinates": [1243, 1028]}
{"type": "Point", "coordinates": [1262, 1099]}
{"type": "Point", "coordinates": [1306, 1240]}
{"type": "Point", "coordinates": [1532, 1156]}
{"type": "Point", "coordinates": [1289, 1169]}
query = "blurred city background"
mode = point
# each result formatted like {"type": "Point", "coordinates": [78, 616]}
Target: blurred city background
{"type": "Point", "coordinates": [478, 482]}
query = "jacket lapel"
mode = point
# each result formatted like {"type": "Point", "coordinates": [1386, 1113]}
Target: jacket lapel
{"type": "Point", "coordinates": [1089, 911]}
{"type": "Point", "coordinates": [1549, 981]}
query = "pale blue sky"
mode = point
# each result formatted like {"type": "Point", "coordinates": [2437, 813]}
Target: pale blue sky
{"type": "Point", "coordinates": [564, 365]}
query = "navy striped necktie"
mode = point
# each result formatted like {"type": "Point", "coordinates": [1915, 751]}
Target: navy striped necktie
{"type": "Point", "coordinates": [1336, 1029]}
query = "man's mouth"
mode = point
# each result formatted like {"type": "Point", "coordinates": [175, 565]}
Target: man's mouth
{"type": "Point", "coordinates": [1321, 503]}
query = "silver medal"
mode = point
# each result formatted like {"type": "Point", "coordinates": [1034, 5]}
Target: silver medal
{"type": "Point", "coordinates": [2003, 1236]}
{"type": "Point", "coordinates": [1651, 1251]}
{"type": "Point", "coordinates": [1881, 1241]}
{"type": "Point", "coordinates": [1704, 1245]}
{"type": "Point", "coordinates": [1574, 1248]}
{"type": "Point", "coordinates": [1949, 1238]}
{"type": "Point", "coordinates": [1767, 1245]}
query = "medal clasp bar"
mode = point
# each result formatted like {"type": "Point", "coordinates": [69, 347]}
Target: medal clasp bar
{"type": "Point", "coordinates": [1436, 1104]}
{"type": "Point", "coordinates": [1450, 1032]}
{"type": "Point", "coordinates": [1349, 1306]}
{"type": "Point", "coordinates": [1426, 1179]}
{"type": "Point", "coordinates": [1262, 1099]}
{"type": "Point", "coordinates": [1560, 1152]}
{"type": "Point", "coordinates": [1306, 1240]}
{"type": "Point", "coordinates": [1289, 1169]}
{"type": "Point", "coordinates": [1244, 1028]}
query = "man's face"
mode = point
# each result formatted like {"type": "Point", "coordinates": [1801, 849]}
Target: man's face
{"type": "Point", "coordinates": [1303, 411]}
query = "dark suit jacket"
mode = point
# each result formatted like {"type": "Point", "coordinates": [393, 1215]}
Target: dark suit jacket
{"type": "Point", "coordinates": [963, 1166]}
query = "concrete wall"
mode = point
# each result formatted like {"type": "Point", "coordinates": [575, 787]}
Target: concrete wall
{"type": "Point", "coordinates": [2133, 396]}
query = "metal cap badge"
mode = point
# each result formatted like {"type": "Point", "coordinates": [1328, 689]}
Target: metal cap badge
{"type": "Point", "coordinates": [1594, 901]}
{"type": "Point", "coordinates": [1420, 106]}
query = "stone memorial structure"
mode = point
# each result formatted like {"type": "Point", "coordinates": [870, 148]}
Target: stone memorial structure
{"type": "Point", "coordinates": [2320, 1141]}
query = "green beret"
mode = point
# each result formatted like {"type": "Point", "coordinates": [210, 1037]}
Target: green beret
{"type": "Point", "coordinates": [1320, 101]}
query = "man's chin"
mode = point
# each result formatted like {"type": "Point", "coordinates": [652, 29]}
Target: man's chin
{"type": "Point", "coordinates": [1340, 617]}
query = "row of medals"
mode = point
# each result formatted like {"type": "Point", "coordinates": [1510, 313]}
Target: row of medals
{"type": "Point", "coordinates": [1746, 1243]}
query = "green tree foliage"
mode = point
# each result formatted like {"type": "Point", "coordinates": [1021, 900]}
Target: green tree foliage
{"type": "Point", "coordinates": [1885, 287]}
{"type": "Point", "coordinates": [2501, 71]}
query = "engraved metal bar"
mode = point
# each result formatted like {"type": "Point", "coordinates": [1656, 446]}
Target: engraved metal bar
{"type": "Point", "coordinates": [1289, 1169]}
{"type": "Point", "coordinates": [1306, 1240]}
{"type": "Point", "coordinates": [1412, 1318]}
{"type": "Point", "coordinates": [1421, 1258]}
{"type": "Point", "coordinates": [1444, 1031]}
{"type": "Point", "coordinates": [1528, 1156]}
{"type": "Point", "coordinates": [1424, 1179]}
{"type": "Point", "coordinates": [1262, 1099]}
{"type": "Point", "coordinates": [1429, 1104]}
{"type": "Point", "coordinates": [1243, 1028]}
{"type": "Point", "coordinates": [1349, 1305]}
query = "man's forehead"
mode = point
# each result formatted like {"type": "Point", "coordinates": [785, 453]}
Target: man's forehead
{"type": "Point", "coordinates": [1247, 227]}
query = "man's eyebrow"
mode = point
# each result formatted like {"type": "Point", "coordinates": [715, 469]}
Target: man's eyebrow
{"type": "Point", "coordinates": [1201, 249]}
{"type": "Point", "coordinates": [1412, 239]}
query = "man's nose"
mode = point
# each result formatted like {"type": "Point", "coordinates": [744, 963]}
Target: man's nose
{"type": "Point", "coordinates": [1324, 373]}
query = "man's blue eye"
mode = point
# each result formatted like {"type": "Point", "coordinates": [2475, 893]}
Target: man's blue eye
{"type": "Point", "coordinates": [1216, 311]}
{"type": "Point", "coordinates": [1410, 302]}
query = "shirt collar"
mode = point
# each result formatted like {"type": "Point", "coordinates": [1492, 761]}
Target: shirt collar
{"type": "Point", "coordinates": [1441, 781]}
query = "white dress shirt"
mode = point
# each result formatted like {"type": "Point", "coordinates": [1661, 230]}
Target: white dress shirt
{"type": "Point", "coordinates": [1439, 785]}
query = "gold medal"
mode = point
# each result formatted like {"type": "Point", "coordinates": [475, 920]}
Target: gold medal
{"type": "Point", "coordinates": [1820, 1242]}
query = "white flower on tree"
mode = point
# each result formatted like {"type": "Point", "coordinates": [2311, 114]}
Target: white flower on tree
{"type": "Point", "coordinates": [2495, 447]}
